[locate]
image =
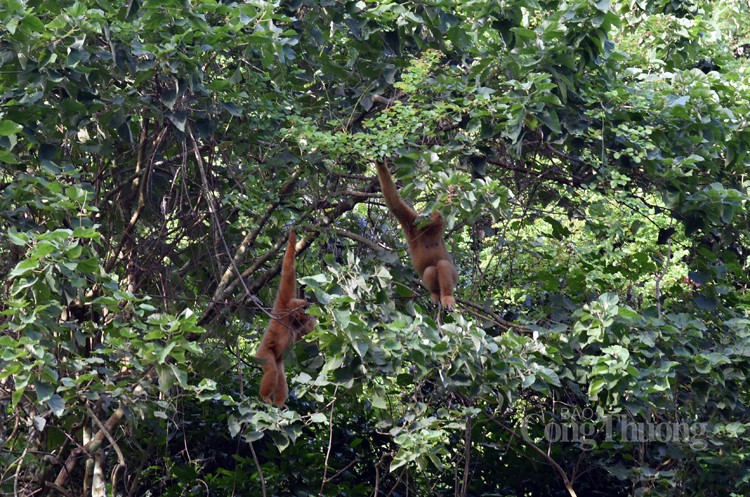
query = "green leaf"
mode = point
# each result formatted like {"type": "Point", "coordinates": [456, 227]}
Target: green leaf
{"type": "Point", "coordinates": [705, 303]}
{"type": "Point", "coordinates": [528, 380]}
{"type": "Point", "coordinates": [75, 56]}
{"type": "Point", "coordinates": [281, 440]}
{"type": "Point", "coordinates": [39, 423]}
{"type": "Point", "coordinates": [233, 109]}
{"type": "Point", "coordinates": [166, 377]}
{"type": "Point", "coordinates": [596, 386]}
{"type": "Point", "coordinates": [33, 23]}
{"type": "Point", "coordinates": [43, 391]}
{"type": "Point", "coordinates": [169, 97]}
{"type": "Point", "coordinates": [57, 405]}
{"type": "Point", "coordinates": [18, 238]}
{"type": "Point", "coordinates": [180, 375]}
{"type": "Point", "coordinates": [361, 347]}
{"type": "Point", "coordinates": [85, 232]}
{"type": "Point", "coordinates": [524, 34]}
{"type": "Point", "coordinates": [603, 5]}
{"type": "Point", "coordinates": [43, 248]}
{"type": "Point", "coordinates": [318, 417]}
{"type": "Point", "coordinates": [8, 128]}
{"type": "Point", "coordinates": [178, 118]}
{"type": "Point", "coordinates": [74, 252]}
{"type": "Point", "coordinates": [164, 352]}
{"type": "Point", "coordinates": [679, 101]}
{"type": "Point", "coordinates": [252, 436]}
{"type": "Point", "coordinates": [378, 402]}
{"type": "Point", "coordinates": [550, 119]}
{"type": "Point", "coordinates": [397, 462]}
{"type": "Point", "coordinates": [234, 426]}
{"type": "Point", "coordinates": [8, 157]}
{"type": "Point", "coordinates": [155, 335]}
{"type": "Point", "coordinates": [24, 267]}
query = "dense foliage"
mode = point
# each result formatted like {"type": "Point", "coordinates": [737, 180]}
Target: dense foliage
{"type": "Point", "coordinates": [590, 157]}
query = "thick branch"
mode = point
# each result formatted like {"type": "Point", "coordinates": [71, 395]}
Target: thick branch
{"type": "Point", "coordinates": [91, 446]}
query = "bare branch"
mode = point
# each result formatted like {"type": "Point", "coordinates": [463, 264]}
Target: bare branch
{"type": "Point", "coordinates": [357, 238]}
{"type": "Point", "coordinates": [547, 457]}
{"type": "Point", "coordinates": [249, 240]}
{"type": "Point", "coordinates": [260, 471]}
{"type": "Point", "coordinates": [139, 184]}
{"type": "Point", "coordinates": [326, 220]}
{"type": "Point", "coordinates": [330, 442]}
{"type": "Point", "coordinates": [494, 317]}
{"type": "Point", "coordinates": [72, 461]}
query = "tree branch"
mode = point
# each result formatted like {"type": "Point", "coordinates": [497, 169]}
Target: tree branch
{"type": "Point", "coordinates": [249, 240]}
{"type": "Point", "coordinates": [72, 461]}
{"type": "Point", "coordinates": [547, 457]}
{"type": "Point", "coordinates": [326, 220]}
{"type": "Point", "coordinates": [495, 318]}
{"type": "Point", "coordinates": [357, 238]}
{"type": "Point", "coordinates": [139, 183]}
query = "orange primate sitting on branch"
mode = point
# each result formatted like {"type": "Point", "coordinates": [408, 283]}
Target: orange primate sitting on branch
{"type": "Point", "coordinates": [426, 245]}
{"type": "Point", "coordinates": [289, 323]}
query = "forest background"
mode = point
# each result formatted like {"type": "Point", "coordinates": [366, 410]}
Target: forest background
{"type": "Point", "coordinates": [590, 158]}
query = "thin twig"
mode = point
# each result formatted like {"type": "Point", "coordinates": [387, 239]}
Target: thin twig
{"type": "Point", "coordinates": [249, 240]}
{"type": "Point", "coordinates": [330, 441]}
{"type": "Point", "coordinates": [120, 456]}
{"type": "Point", "coordinates": [58, 488]}
{"type": "Point", "coordinates": [122, 465]}
{"type": "Point", "coordinates": [331, 216]}
{"type": "Point", "coordinates": [494, 317]}
{"type": "Point", "coordinates": [357, 238]}
{"type": "Point", "coordinates": [659, 277]}
{"type": "Point", "coordinates": [12, 433]}
{"type": "Point", "coordinates": [260, 471]}
{"type": "Point", "coordinates": [339, 472]}
{"type": "Point", "coordinates": [140, 181]}
{"type": "Point", "coordinates": [467, 458]}
{"type": "Point", "coordinates": [72, 461]}
{"type": "Point", "coordinates": [377, 480]}
{"type": "Point", "coordinates": [547, 457]}
{"type": "Point", "coordinates": [18, 470]}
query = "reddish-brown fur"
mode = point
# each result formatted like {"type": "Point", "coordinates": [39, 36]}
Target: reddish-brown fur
{"type": "Point", "coordinates": [426, 245]}
{"type": "Point", "coordinates": [289, 323]}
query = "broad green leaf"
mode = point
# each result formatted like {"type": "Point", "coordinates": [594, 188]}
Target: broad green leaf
{"type": "Point", "coordinates": [18, 238]}
{"type": "Point", "coordinates": [234, 426]}
{"type": "Point", "coordinates": [8, 157]}
{"type": "Point", "coordinates": [162, 355]}
{"type": "Point", "coordinates": [251, 436]}
{"type": "Point", "coordinates": [166, 377]}
{"type": "Point", "coordinates": [318, 417]}
{"type": "Point", "coordinates": [39, 423]}
{"type": "Point", "coordinates": [24, 267]}
{"type": "Point", "coordinates": [281, 440]}
{"type": "Point", "coordinates": [8, 128]}
{"type": "Point", "coordinates": [57, 405]}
